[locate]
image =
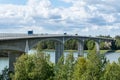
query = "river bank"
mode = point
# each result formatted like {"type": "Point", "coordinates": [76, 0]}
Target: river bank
{"type": "Point", "coordinates": [86, 51]}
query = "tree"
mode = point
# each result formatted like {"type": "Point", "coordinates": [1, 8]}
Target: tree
{"type": "Point", "coordinates": [41, 45]}
{"type": "Point", "coordinates": [80, 68]}
{"type": "Point", "coordinates": [90, 68]}
{"type": "Point", "coordinates": [23, 67]}
{"type": "Point", "coordinates": [85, 44]}
{"type": "Point", "coordinates": [112, 71]}
{"type": "Point", "coordinates": [102, 45]}
{"type": "Point", "coordinates": [69, 65]}
{"type": "Point", "coordinates": [5, 74]}
{"type": "Point", "coordinates": [71, 44]}
{"type": "Point", "coordinates": [33, 67]}
{"type": "Point", "coordinates": [60, 70]}
{"type": "Point", "coordinates": [119, 60]}
{"type": "Point", "coordinates": [102, 36]}
{"type": "Point", "coordinates": [90, 44]}
{"type": "Point", "coordinates": [64, 68]}
{"type": "Point", "coordinates": [50, 44]}
{"type": "Point", "coordinates": [95, 66]}
{"type": "Point", "coordinates": [117, 43]}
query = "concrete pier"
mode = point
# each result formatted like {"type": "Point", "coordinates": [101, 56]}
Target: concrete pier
{"type": "Point", "coordinates": [81, 48]}
{"type": "Point", "coordinates": [26, 47]}
{"type": "Point", "coordinates": [97, 43]}
{"type": "Point", "coordinates": [59, 49]}
{"type": "Point", "coordinates": [12, 59]}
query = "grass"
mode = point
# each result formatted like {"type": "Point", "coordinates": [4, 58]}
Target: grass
{"type": "Point", "coordinates": [117, 51]}
{"type": "Point", "coordinates": [104, 51]}
{"type": "Point", "coordinates": [86, 51]}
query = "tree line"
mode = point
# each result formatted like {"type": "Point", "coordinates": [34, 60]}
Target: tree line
{"type": "Point", "coordinates": [73, 43]}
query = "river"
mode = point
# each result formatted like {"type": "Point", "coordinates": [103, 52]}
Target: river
{"type": "Point", "coordinates": [110, 56]}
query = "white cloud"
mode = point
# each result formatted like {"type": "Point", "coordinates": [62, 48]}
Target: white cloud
{"type": "Point", "coordinates": [109, 28]}
{"type": "Point", "coordinates": [94, 27]}
{"type": "Point", "coordinates": [81, 16]}
{"type": "Point", "coordinates": [85, 29]}
{"type": "Point", "coordinates": [109, 18]}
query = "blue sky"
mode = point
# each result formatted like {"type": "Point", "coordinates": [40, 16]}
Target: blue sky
{"type": "Point", "coordinates": [84, 17]}
{"type": "Point", "coordinates": [16, 2]}
{"type": "Point", "coordinates": [56, 3]}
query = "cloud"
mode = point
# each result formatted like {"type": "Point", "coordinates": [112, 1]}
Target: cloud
{"type": "Point", "coordinates": [90, 16]}
{"type": "Point", "coordinates": [85, 29]}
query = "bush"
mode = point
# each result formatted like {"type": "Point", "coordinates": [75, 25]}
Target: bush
{"type": "Point", "coordinates": [33, 67]}
{"type": "Point", "coordinates": [5, 74]}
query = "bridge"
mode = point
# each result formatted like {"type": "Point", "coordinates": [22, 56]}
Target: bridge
{"type": "Point", "coordinates": [22, 43]}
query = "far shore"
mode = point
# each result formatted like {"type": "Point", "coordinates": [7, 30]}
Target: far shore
{"type": "Point", "coordinates": [72, 51]}
{"type": "Point", "coordinates": [86, 51]}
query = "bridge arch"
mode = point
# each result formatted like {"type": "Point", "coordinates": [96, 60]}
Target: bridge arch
{"type": "Point", "coordinates": [79, 44]}
{"type": "Point", "coordinates": [59, 46]}
{"type": "Point", "coordinates": [41, 40]}
{"type": "Point", "coordinates": [96, 44]}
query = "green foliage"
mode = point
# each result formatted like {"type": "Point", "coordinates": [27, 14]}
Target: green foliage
{"type": "Point", "coordinates": [90, 44]}
{"type": "Point", "coordinates": [112, 71]}
{"type": "Point", "coordinates": [71, 44]}
{"type": "Point", "coordinates": [102, 45]}
{"type": "Point", "coordinates": [33, 67]}
{"type": "Point", "coordinates": [80, 68]}
{"type": "Point", "coordinates": [46, 45]}
{"type": "Point", "coordinates": [94, 67]}
{"type": "Point", "coordinates": [5, 74]}
{"type": "Point", "coordinates": [102, 36]}
{"type": "Point", "coordinates": [90, 68]}
{"type": "Point", "coordinates": [69, 65]}
{"type": "Point", "coordinates": [60, 70]}
{"type": "Point", "coordinates": [119, 60]}
{"type": "Point", "coordinates": [117, 43]}
{"type": "Point", "coordinates": [85, 45]}
{"type": "Point", "coordinates": [23, 67]}
{"type": "Point", "coordinates": [64, 68]}
{"type": "Point", "coordinates": [41, 45]}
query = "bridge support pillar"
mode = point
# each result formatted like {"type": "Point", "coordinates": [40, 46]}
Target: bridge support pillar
{"type": "Point", "coordinates": [97, 43]}
{"type": "Point", "coordinates": [12, 60]}
{"type": "Point", "coordinates": [59, 49]}
{"type": "Point", "coordinates": [26, 47]}
{"type": "Point", "coordinates": [81, 48]}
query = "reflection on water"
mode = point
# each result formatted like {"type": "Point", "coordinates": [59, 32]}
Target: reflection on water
{"type": "Point", "coordinates": [110, 56]}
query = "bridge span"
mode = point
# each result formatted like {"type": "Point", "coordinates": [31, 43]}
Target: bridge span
{"type": "Point", "coordinates": [25, 42]}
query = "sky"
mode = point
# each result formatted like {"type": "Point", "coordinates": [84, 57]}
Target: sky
{"type": "Point", "coordinates": [82, 17]}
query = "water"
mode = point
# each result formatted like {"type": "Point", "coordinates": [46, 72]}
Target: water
{"type": "Point", "coordinates": [110, 56]}
{"type": "Point", "coordinates": [4, 63]}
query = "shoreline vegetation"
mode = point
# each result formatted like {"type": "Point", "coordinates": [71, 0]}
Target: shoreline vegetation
{"type": "Point", "coordinates": [75, 51]}
{"type": "Point", "coordinates": [86, 51]}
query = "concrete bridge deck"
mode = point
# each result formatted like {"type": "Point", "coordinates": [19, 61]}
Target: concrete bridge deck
{"type": "Point", "coordinates": [14, 36]}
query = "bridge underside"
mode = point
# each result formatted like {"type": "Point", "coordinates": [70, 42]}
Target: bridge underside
{"type": "Point", "coordinates": [3, 54]}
